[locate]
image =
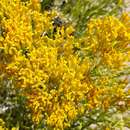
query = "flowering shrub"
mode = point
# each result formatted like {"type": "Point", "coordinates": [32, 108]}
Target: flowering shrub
{"type": "Point", "coordinates": [54, 77]}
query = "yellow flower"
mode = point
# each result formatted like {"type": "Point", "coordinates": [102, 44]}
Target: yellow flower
{"type": "Point", "coordinates": [61, 76]}
{"type": "Point", "coordinates": [15, 128]}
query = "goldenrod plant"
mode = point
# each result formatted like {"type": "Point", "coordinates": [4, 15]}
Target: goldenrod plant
{"type": "Point", "coordinates": [50, 80]}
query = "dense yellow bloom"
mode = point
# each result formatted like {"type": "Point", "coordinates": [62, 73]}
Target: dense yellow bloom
{"type": "Point", "coordinates": [54, 69]}
{"type": "Point", "coordinates": [108, 38]}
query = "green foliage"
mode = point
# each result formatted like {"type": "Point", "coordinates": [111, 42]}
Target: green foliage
{"type": "Point", "coordinates": [46, 4]}
{"type": "Point", "coordinates": [13, 107]}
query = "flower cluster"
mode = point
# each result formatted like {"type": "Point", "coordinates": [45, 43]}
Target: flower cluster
{"type": "Point", "coordinates": [61, 76]}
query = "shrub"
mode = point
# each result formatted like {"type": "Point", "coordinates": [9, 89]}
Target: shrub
{"type": "Point", "coordinates": [53, 80]}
